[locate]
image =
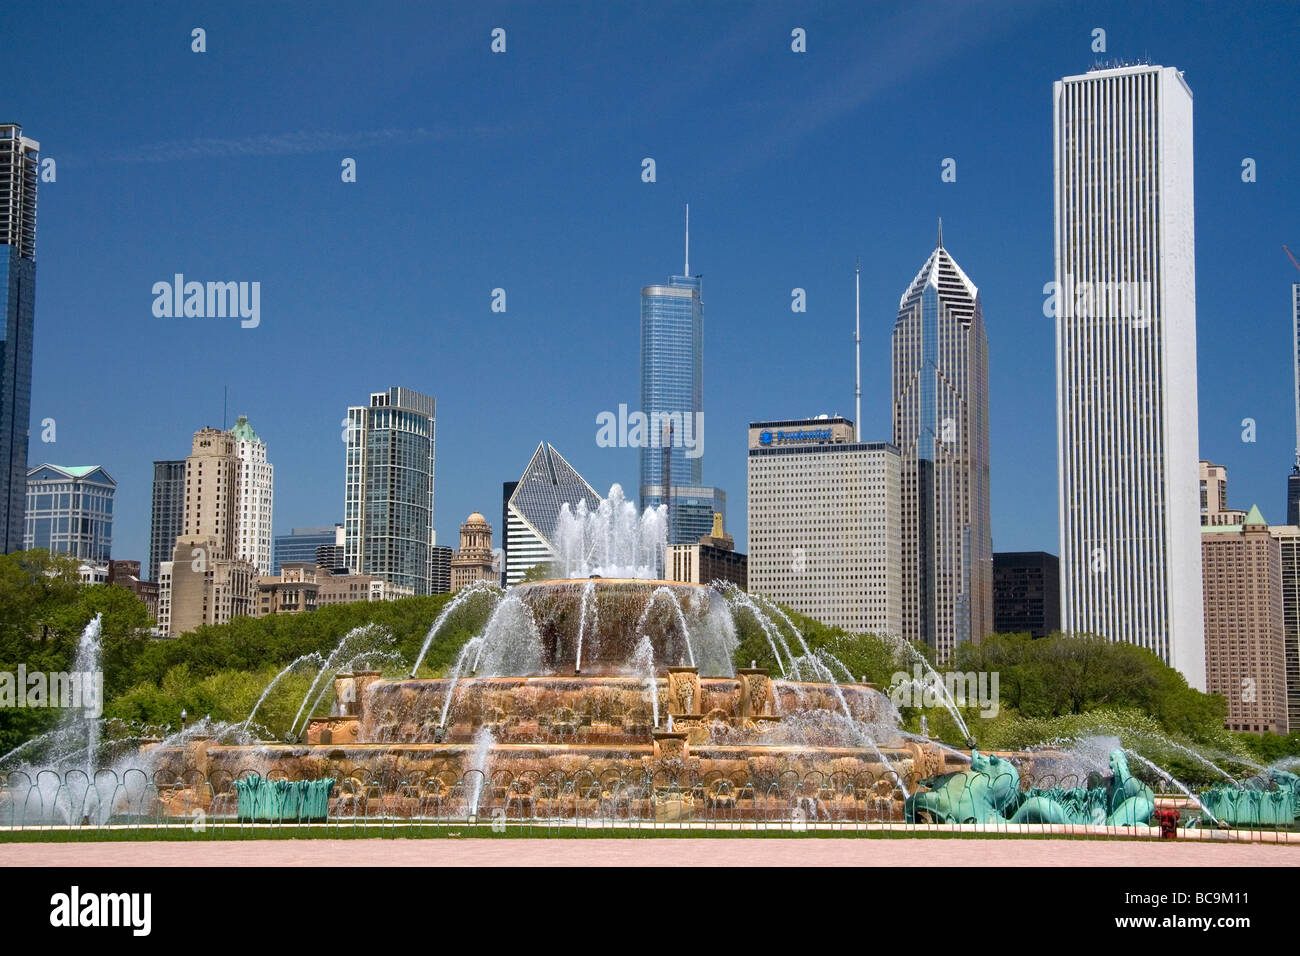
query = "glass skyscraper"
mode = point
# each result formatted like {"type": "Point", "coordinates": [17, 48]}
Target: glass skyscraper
{"type": "Point", "coordinates": [168, 521]}
{"type": "Point", "coordinates": [388, 508]}
{"type": "Point", "coordinates": [672, 395]}
{"type": "Point", "coordinates": [941, 427]}
{"type": "Point", "coordinates": [70, 511]}
{"type": "Point", "coordinates": [301, 544]}
{"type": "Point", "coordinates": [19, 160]}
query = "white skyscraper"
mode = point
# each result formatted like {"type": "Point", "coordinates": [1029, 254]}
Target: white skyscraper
{"type": "Point", "coordinates": [1125, 307]}
{"type": "Point", "coordinates": [256, 493]}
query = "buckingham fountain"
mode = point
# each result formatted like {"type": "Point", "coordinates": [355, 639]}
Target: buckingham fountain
{"type": "Point", "coordinates": [606, 693]}
{"type": "Point", "coordinates": [605, 683]}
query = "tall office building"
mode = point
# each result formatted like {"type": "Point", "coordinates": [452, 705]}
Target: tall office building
{"type": "Point", "coordinates": [1293, 479]}
{"type": "Point", "coordinates": [1288, 538]}
{"type": "Point", "coordinates": [388, 506]}
{"type": "Point", "coordinates": [168, 515]}
{"type": "Point", "coordinates": [70, 510]}
{"type": "Point", "coordinates": [256, 496]}
{"type": "Point", "coordinates": [532, 510]}
{"type": "Point", "coordinates": [672, 395]}
{"type": "Point", "coordinates": [1126, 362]}
{"type": "Point", "coordinates": [824, 523]}
{"type": "Point", "coordinates": [206, 582]}
{"type": "Point", "coordinates": [1026, 593]}
{"type": "Point", "coordinates": [19, 162]}
{"type": "Point", "coordinates": [473, 562]}
{"type": "Point", "coordinates": [941, 428]}
{"type": "Point", "coordinates": [304, 544]}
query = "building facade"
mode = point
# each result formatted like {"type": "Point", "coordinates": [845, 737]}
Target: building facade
{"type": "Point", "coordinates": [1125, 305]}
{"type": "Point", "coordinates": [941, 428]}
{"type": "Point", "coordinates": [1293, 479]}
{"type": "Point", "coordinates": [1026, 593]}
{"type": "Point", "coordinates": [533, 509]}
{"type": "Point", "coordinates": [349, 588]}
{"type": "Point", "coordinates": [167, 521]}
{"type": "Point", "coordinates": [256, 497]}
{"type": "Point", "coordinates": [440, 573]}
{"type": "Point", "coordinates": [303, 544]}
{"type": "Point", "coordinates": [292, 591]}
{"type": "Point", "coordinates": [474, 561]}
{"type": "Point", "coordinates": [70, 510]}
{"type": "Point", "coordinates": [825, 523]}
{"type": "Point", "coordinates": [19, 164]}
{"type": "Point", "coordinates": [388, 506]}
{"type": "Point", "coordinates": [1245, 646]}
{"type": "Point", "coordinates": [206, 582]}
{"type": "Point", "coordinates": [1288, 539]}
{"type": "Point", "coordinates": [714, 558]}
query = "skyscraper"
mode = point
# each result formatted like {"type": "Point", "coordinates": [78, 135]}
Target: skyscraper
{"type": "Point", "coordinates": [19, 161]}
{"type": "Point", "coordinates": [168, 516]}
{"type": "Point", "coordinates": [70, 510]}
{"type": "Point", "coordinates": [1125, 308]}
{"type": "Point", "coordinates": [256, 496]}
{"type": "Point", "coordinates": [388, 504]}
{"type": "Point", "coordinates": [941, 428]}
{"type": "Point", "coordinates": [532, 510]}
{"type": "Point", "coordinates": [824, 523]}
{"type": "Point", "coordinates": [1293, 479]}
{"type": "Point", "coordinates": [672, 400]}
{"type": "Point", "coordinates": [206, 582]}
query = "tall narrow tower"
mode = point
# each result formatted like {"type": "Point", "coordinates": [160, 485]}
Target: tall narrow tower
{"type": "Point", "coordinates": [941, 428]}
{"type": "Point", "coordinates": [19, 162]}
{"type": "Point", "coordinates": [672, 400]}
{"type": "Point", "coordinates": [1126, 362]}
{"type": "Point", "coordinates": [1293, 479]}
{"type": "Point", "coordinates": [388, 507]}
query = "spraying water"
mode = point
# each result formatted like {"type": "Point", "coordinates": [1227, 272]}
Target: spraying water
{"type": "Point", "coordinates": [463, 597]}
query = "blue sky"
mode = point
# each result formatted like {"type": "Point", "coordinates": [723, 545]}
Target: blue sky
{"type": "Point", "coordinates": [522, 171]}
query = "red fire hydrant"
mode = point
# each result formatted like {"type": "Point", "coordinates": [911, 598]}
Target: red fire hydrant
{"type": "Point", "coordinates": [1168, 820]}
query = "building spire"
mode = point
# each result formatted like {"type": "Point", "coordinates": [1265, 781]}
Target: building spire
{"type": "Point", "coordinates": [687, 271]}
{"type": "Point", "coordinates": [857, 350]}
{"type": "Point", "coordinates": [941, 232]}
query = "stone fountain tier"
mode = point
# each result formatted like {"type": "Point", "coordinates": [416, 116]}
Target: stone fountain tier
{"type": "Point", "coordinates": [614, 607]}
{"type": "Point", "coordinates": [607, 709]}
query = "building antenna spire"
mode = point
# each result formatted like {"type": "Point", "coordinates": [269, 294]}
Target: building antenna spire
{"type": "Point", "coordinates": [941, 232]}
{"type": "Point", "coordinates": [857, 350]}
{"type": "Point", "coordinates": [687, 271]}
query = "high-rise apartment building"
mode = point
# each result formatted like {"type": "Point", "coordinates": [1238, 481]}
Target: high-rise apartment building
{"type": "Point", "coordinates": [1245, 645]}
{"type": "Point", "coordinates": [70, 510]}
{"type": "Point", "coordinates": [1125, 306]}
{"type": "Point", "coordinates": [532, 510]}
{"type": "Point", "coordinates": [19, 164]}
{"type": "Point", "coordinates": [824, 523]}
{"type": "Point", "coordinates": [256, 497]}
{"type": "Point", "coordinates": [168, 516]}
{"type": "Point", "coordinates": [388, 506]}
{"type": "Point", "coordinates": [206, 582]}
{"type": "Point", "coordinates": [941, 428]}
{"type": "Point", "coordinates": [672, 401]}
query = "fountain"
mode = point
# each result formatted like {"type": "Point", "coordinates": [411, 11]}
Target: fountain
{"type": "Point", "coordinates": [607, 692]}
